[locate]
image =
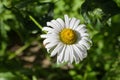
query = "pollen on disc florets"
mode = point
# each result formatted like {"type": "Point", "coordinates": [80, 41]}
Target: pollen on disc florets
{"type": "Point", "coordinates": [68, 36]}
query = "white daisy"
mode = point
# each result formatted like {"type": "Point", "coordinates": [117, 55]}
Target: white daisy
{"type": "Point", "coordinates": [67, 39]}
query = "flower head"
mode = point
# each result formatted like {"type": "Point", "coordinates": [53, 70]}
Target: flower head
{"type": "Point", "coordinates": [67, 39]}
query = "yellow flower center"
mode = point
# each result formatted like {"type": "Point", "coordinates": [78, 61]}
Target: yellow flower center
{"type": "Point", "coordinates": [68, 36]}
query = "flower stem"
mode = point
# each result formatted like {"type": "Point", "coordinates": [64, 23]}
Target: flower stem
{"type": "Point", "coordinates": [37, 24]}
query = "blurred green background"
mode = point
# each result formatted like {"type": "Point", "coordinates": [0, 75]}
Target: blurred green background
{"type": "Point", "coordinates": [23, 57]}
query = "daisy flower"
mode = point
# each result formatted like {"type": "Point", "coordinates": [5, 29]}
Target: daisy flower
{"type": "Point", "coordinates": [67, 39]}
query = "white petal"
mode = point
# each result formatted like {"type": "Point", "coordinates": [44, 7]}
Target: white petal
{"type": "Point", "coordinates": [57, 49]}
{"type": "Point", "coordinates": [58, 26]}
{"type": "Point", "coordinates": [72, 22]}
{"type": "Point", "coordinates": [52, 35]}
{"type": "Point", "coordinates": [87, 39]}
{"type": "Point", "coordinates": [80, 27]}
{"type": "Point", "coordinates": [83, 52]}
{"type": "Point", "coordinates": [47, 29]}
{"type": "Point", "coordinates": [83, 30]}
{"type": "Point", "coordinates": [78, 52]}
{"type": "Point", "coordinates": [62, 45]}
{"type": "Point", "coordinates": [44, 36]}
{"type": "Point", "coordinates": [85, 43]}
{"type": "Point", "coordinates": [76, 24]}
{"type": "Point", "coordinates": [83, 48]}
{"type": "Point", "coordinates": [58, 62]}
{"type": "Point", "coordinates": [71, 54]}
{"type": "Point", "coordinates": [75, 56]}
{"type": "Point", "coordinates": [61, 22]}
{"type": "Point", "coordinates": [52, 25]}
{"type": "Point", "coordinates": [70, 19]}
{"type": "Point", "coordinates": [84, 34]}
{"type": "Point", "coordinates": [66, 21]}
{"type": "Point", "coordinates": [60, 56]}
{"type": "Point", "coordinates": [67, 54]}
{"type": "Point", "coordinates": [51, 45]}
{"type": "Point", "coordinates": [48, 40]}
{"type": "Point", "coordinates": [50, 30]}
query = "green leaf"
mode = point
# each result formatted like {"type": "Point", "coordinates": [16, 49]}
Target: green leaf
{"type": "Point", "coordinates": [8, 76]}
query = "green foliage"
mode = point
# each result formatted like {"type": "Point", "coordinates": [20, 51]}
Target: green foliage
{"type": "Point", "coordinates": [23, 57]}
